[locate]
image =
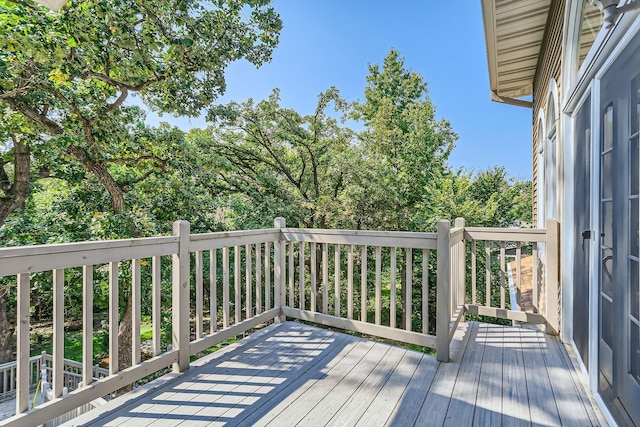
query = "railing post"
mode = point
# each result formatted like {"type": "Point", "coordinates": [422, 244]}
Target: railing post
{"type": "Point", "coordinates": [443, 292]}
{"type": "Point", "coordinates": [462, 266]}
{"type": "Point", "coordinates": [180, 296]}
{"type": "Point", "coordinates": [278, 269]}
{"type": "Point", "coordinates": [551, 278]}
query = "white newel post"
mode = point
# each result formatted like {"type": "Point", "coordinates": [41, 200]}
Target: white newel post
{"type": "Point", "coordinates": [443, 292]}
{"type": "Point", "coordinates": [180, 296]}
{"type": "Point", "coordinates": [278, 269]}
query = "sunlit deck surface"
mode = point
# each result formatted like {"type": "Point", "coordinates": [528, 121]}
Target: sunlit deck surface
{"type": "Point", "coordinates": [294, 374]}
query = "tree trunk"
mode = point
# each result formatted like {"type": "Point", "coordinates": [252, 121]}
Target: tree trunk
{"type": "Point", "coordinates": [18, 191]}
{"type": "Point", "coordinates": [99, 169]}
{"type": "Point", "coordinates": [7, 327]}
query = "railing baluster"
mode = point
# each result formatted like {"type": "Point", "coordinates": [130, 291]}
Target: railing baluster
{"type": "Point", "coordinates": [58, 331]}
{"type": "Point", "coordinates": [292, 269]}
{"type": "Point", "coordinates": [518, 275]}
{"type": "Point", "coordinates": [409, 290]}
{"type": "Point", "coordinates": [350, 281]}
{"type": "Point", "coordinates": [503, 273]}
{"type": "Point", "coordinates": [226, 315]}
{"type": "Point", "coordinates": [237, 292]}
{"type": "Point", "coordinates": [312, 277]}
{"type": "Point", "coordinates": [378, 284]}
{"type": "Point", "coordinates": [536, 300]}
{"type": "Point", "coordinates": [113, 318]}
{"type": "Point", "coordinates": [23, 365]}
{"type": "Point", "coordinates": [156, 264]}
{"type": "Point", "coordinates": [392, 295]}
{"type": "Point", "coordinates": [425, 291]}
{"type": "Point", "coordinates": [87, 324]}
{"type": "Point", "coordinates": [363, 283]}
{"type": "Point", "coordinates": [267, 275]}
{"type": "Point", "coordinates": [213, 291]}
{"type": "Point", "coordinates": [487, 267]}
{"type": "Point", "coordinates": [248, 282]}
{"type": "Point", "coordinates": [473, 272]}
{"type": "Point", "coordinates": [136, 300]}
{"type": "Point", "coordinates": [199, 329]}
{"type": "Point", "coordinates": [325, 278]}
{"type": "Point", "coordinates": [301, 277]}
{"type": "Point", "coordinates": [336, 263]}
{"type": "Point", "coordinates": [258, 278]}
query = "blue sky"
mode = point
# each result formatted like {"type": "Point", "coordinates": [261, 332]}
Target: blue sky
{"type": "Point", "coordinates": [331, 42]}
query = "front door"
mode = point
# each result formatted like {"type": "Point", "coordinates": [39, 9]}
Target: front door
{"type": "Point", "coordinates": [582, 218]}
{"type": "Point", "coordinates": [619, 285]}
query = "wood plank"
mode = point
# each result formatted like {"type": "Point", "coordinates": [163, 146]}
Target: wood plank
{"type": "Point", "coordinates": [114, 317]}
{"type": "Point", "coordinates": [570, 406]}
{"type": "Point", "coordinates": [136, 402]}
{"type": "Point", "coordinates": [342, 357]}
{"type": "Point", "coordinates": [248, 303]}
{"type": "Point", "coordinates": [325, 278]}
{"type": "Point", "coordinates": [425, 291]}
{"type": "Point", "coordinates": [515, 397]}
{"type": "Point", "coordinates": [313, 252]}
{"type": "Point", "coordinates": [87, 325]}
{"type": "Point", "coordinates": [402, 239]}
{"type": "Point", "coordinates": [392, 294]}
{"type": "Point", "coordinates": [408, 297]}
{"type": "Point", "coordinates": [363, 284]}
{"type": "Point", "coordinates": [259, 278]}
{"type": "Point", "coordinates": [503, 313]}
{"type": "Point", "coordinates": [410, 402]}
{"type": "Point", "coordinates": [336, 276]}
{"type": "Point", "coordinates": [363, 395]}
{"type": "Point", "coordinates": [462, 404]}
{"type": "Point", "coordinates": [301, 278]}
{"type": "Point", "coordinates": [394, 390]}
{"type": "Point", "coordinates": [136, 311]}
{"type": "Point", "coordinates": [488, 411]}
{"type": "Point", "coordinates": [199, 296]}
{"type": "Point", "coordinates": [237, 292]}
{"type": "Point", "coordinates": [226, 314]}
{"type": "Point", "coordinates": [318, 409]}
{"type": "Point", "coordinates": [378, 301]}
{"type": "Point", "coordinates": [487, 267]}
{"type": "Point", "coordinates": [503, 274]}
{"type": "Point", "coordinates": [300, 358]}
{"type": "Point", "coordinates": [253, 378]}
{"type": "Point", "coordinates": [474, 254]}
{"type": "Point", "coordinates": [435, 406]}
{"type": "Point", "coordinates": [362, 327]}
{"type": "Point", "coordinates": [349, 282]}
{"type": "Point", "coordinates": [267, 275]}
{"type": "Point", "coordinates": [156, 304]}
{"type": "Point", "coordinates": [544, 411]}
{"type": "Point", "coordinates": [22, 343]}
{"type": "Point", "coordinates": [37, 258]}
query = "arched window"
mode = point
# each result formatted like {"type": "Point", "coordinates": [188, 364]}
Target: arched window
{"type": "Point", "coordinates": [540, 149]}
{"type": "Point", "coordinates": [551, 153]}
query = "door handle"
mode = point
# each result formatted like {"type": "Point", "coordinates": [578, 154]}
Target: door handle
{"type": "Point", "coordinates": [586, 235]}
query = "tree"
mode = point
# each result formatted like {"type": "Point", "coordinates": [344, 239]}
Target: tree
{"type": "Point", "coordinates": [405, 147]}
{"type": "Point", "coordinates": [284, 163]}
{"type": "Point", "coordinates": [69, 75]}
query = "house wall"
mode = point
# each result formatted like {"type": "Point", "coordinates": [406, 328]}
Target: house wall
{"type": "Point", "coordinates": [549, 66]}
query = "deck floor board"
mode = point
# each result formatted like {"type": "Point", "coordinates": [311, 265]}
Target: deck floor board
{"type": "Point", "coordinates": [294, 374]}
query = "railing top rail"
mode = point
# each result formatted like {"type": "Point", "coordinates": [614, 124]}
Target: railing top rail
{"type": "Point", "coordinates": [222, 239]}
{"type": "Point", "coordinates": [505, 234]}
{"type": "Point", "coordinates": [31, 259]}
{"type": "Point", "coordinates": [404, 239]}
{"type": "Point", "coordinates": [456, 235]}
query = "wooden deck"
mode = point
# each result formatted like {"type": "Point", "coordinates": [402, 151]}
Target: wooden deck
{"type": "Point", "coordinates": [293, 374]}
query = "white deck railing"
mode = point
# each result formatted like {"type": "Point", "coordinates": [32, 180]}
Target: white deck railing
{"type": "Point", "coordinates": [226, 283]}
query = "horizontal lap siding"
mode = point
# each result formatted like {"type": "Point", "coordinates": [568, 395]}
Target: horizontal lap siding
{"type": "Point", "coordinates": [548, 67]}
